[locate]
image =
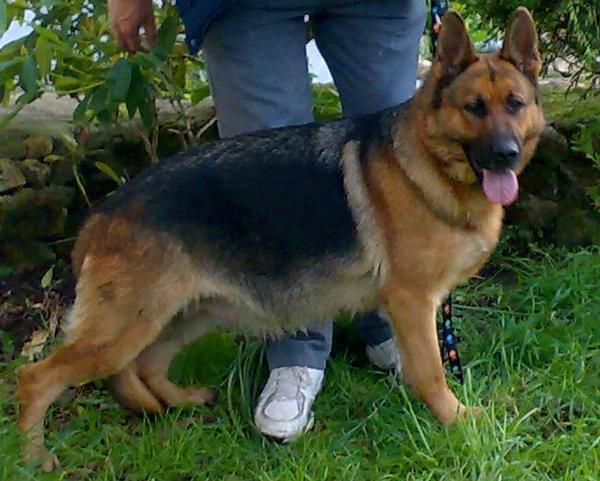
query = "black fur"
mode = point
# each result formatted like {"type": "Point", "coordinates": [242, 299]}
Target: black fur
{"type": "Point", "coordinates": [376, 129]}
{"type": "Point", "coordinates": [270, 200]}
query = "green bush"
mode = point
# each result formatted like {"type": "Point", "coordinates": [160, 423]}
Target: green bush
{"type": "Point", "coordinates": [71, 51]}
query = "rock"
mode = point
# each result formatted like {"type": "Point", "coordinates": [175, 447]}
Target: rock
{"type": "Point", "coordinates": [576, 227]}
{"type": "Point", "coordinates": [26, 254]}
{"type": "Point", "coordinates": [34, 214]}
{"type": "Point", "coordinates": [203, 111]}
{"type": "Point", "coordinates": [12, 147]}
{"type": "Point", "coordinates": [10, 175]}
{"type": "Point", "coordinates": [38, 146]}
{"type": "Point", "coordinates": [552, 139]}
{"type": "Point", "coordinates": [540, 212]}
{"type": "Point", "coordinates": [36, 173]}
{"type": "Point", "coordinates": [62, 171]}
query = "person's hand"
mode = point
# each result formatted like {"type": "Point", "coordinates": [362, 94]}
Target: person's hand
{"type": "Point", "coordinates": [126, 19]}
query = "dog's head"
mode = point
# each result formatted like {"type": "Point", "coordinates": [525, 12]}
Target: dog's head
{"type": "Point", "coordinates": [481, 114]}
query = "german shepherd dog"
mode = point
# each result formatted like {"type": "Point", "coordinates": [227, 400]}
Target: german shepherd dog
{"type": "Point", "coordinates": [274, 229]}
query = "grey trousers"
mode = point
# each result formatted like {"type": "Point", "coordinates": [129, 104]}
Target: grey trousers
{"type": "Point", "coordinates": [258, 72]}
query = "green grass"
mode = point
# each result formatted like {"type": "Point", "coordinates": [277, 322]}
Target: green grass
{"type": "Point", "coordinates": [531, 345]}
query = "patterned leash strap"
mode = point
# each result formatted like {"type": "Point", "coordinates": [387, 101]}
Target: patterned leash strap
{"type": "Point", "coordinates": [449, 341]}
{"type": "Point", "coordinates": [447, 333]}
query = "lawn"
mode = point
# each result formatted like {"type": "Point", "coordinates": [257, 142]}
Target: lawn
{"type": "Point", "coordinates": [531, 345]}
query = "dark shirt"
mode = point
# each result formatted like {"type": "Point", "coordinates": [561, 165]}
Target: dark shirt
{"type": "Point", "coordinates": [197, 16]}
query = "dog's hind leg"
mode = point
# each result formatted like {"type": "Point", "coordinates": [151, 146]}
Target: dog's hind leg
{"type": "Point", "coordinates": [81, 360]}
{"type": "Point", "coordinates": [153, 363]}
{"type": "Point", "coordinates": [144, 387]}
{"type": "Point", "coordinates": [111, 325]}
{"type": "Point", "coordinates": [129, 390]}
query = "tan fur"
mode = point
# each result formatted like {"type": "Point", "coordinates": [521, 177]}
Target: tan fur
{"type": "Point", "coordinates": [359, 199]}
{"type": "Point", "coordinates": [423, 223]}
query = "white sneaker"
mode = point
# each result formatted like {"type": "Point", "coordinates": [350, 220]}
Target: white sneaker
{"type": "Point", "coordinates": [284, 409]}
{"type": "Point", "coordinates": [385, 356]}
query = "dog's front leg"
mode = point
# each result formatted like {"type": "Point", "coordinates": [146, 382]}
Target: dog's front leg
{"type": "Point", "coordinates": [413, 318]}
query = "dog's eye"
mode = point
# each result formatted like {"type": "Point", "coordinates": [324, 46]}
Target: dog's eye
{"type": "Point", "coordinates": [477, 108]}
{"type": "Point", "coordinates": [514, 104]}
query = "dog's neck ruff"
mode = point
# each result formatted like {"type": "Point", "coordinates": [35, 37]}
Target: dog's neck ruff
{"type": "Point", "coordinates": [446, 205]}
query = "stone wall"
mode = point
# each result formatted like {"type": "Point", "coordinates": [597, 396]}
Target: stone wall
{"type": "Point", "coordinates": [50, 173]}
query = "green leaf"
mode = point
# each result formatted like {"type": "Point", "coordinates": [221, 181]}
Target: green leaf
{"type": "Point", "coordinates": [8, 65]}
{"type": "Point", "coordinates": [12, 49]}
{"type": "Point", "coordinates": [63, 83]}
{"type": "Point", "coordinates": [53, 158]}
{"type": "Point", "coordinates": [47, 279]}
{"type": "Point", "coordinates": [108, 170]}
{"type": "Point", "coordinates": [200, 94]}
{"type": "Point", "coordinates": [43, 55]}
{"type": "Point", "coordinates": [29, 75]}
{"type": "Point", "coordinates": [8, 88]}
{"type": "Point", "coordinates": [3, 17]}
{"type": "Point", "coordinates": [99, 99]}
{"type": "Point", "coordinates": [44, 32]}
{"type": "Point", "coordinates": [148, 60]}
{"type": "Point", "coordinates": [65, 29]}
{"type": "Point", "coordinates": [106, 116]}
{"type": "Point", "coordinates": [135, 96]}
{"type": "Point", "coordinates": [119, 80]}
{"type": "Point", "coordinates": [80, 110]}
{"type": "Point", "coordinates": [50, 3]}
{"type": "Point", "coordinates": [5, 270]}
{"type": "Point", "coordinates": [4, 121]}
{"type": "Point", "coordinates": [27, 98]}
{"type": "Point", "coordinates": [7, 345]}
{"type": "Point", "coordinates": [167, 34]}
{"type": "Point", "coordinates": [148, 112]}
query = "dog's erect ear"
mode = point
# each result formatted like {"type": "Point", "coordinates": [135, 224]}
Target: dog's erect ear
{"type": "Point", "coordinates": [455, 49]}
{"type": "Point", "coordinates": [521, 44]}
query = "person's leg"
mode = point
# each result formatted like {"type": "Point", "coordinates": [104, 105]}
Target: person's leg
{"type": "Point", "coordinates": [256, 62]}
{"type": "Point", "coordinates": [258, 72]}
{"type": "Point", "coordinates": [372, 48]}
{"type": "Point", "coordinates": [310, 349]}
{"type": "Point", "coordinates": [373, 328]}
{"type": "Point", "coordinates": [297, 367]}
{"type": "Point", "coordinates": [257, 68]}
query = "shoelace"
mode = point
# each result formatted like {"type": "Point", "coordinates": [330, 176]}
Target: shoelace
{"type": "Point", "coordinates": [290, 381]}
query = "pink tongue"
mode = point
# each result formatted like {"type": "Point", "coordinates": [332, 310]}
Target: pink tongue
{"type": "Point", "coordinates": [500, 187]}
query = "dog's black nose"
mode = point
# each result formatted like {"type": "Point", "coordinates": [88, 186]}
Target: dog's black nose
{"type": "Point", "coordinates": [506, 151]}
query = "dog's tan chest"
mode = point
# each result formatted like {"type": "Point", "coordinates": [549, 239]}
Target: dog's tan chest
{"type": "Point", "coordinates": [463, 259]}
{"type": "Point", "coordinates": [432, 256]}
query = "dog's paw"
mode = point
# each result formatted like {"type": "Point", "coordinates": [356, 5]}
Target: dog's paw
{"type": "Point", "coordinates": [468, 412]}
{"type": "Point", "coordinates": [449, 415]}
{"type": "Point", "coordinates": [50, 464]}
{"type": "Point", "coordinates": [40, 456]}
{"type": "Point", "coordinates": [201, 397]}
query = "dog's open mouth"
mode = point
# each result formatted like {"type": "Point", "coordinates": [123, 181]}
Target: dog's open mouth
{"type": "Point", "coordinates": [500, 187]}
